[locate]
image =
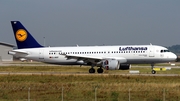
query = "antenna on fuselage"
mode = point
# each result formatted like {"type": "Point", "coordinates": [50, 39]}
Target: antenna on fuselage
{"type": "Point", "coordinates": [150, 44]}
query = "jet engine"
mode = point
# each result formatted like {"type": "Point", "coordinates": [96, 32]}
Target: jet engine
{"type": "Point", "coordinates": [111, 64]}
{"type": "Point", "coordinates": [114, 65]}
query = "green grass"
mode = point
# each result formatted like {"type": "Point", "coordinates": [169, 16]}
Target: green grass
{"type": "Point", "coordinates": [82, 87]}
{"type": "Point", "coordinates": [75, 87]}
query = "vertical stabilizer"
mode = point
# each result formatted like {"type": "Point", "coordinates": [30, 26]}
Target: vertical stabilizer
{"type": "Point", "coordinates": [23, 38]}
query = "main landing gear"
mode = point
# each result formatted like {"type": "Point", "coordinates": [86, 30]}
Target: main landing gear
{"type": "Point", "coordinates": [100, 70]}
{"type": "Point", "coordinates": [153, 71]}
{"type": "Point", "coordinates": [92, 70]}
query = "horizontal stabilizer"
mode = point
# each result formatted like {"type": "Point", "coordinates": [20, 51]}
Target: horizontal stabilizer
{"type": "Point", "coordinates": [18, 53]}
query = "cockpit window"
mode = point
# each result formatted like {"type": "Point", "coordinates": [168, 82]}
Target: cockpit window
{"type": "Point", "coordinates": [166, 50]}
{"type": "Point", "coordinates": [162, 51]}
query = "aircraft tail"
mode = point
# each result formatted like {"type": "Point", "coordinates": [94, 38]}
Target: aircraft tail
{"type": "Point", "coordinates": [23, 38]}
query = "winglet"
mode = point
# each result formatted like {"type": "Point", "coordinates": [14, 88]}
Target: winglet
{"type": "Point", "coordinates": [23, 38]}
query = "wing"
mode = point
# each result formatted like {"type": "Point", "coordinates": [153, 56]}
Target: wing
{"type": "Point", "coordinates": [93, 59]}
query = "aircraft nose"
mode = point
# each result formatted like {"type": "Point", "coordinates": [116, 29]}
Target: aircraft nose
{"type": "Point", "coordinates": [173, 57]}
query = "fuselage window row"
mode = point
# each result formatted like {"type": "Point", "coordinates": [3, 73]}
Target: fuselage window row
{"type": "Point", "coordinates": [102, 52]}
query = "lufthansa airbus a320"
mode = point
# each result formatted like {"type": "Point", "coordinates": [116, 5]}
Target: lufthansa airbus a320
{"type": "Point", "coordinates": [117, 57]}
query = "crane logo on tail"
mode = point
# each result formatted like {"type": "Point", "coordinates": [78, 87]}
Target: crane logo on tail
{"type": "Point", "coordinates": [21, 35]}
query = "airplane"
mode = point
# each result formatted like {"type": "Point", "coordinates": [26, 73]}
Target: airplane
{"type": "Point", "coordinates": [117, 57]}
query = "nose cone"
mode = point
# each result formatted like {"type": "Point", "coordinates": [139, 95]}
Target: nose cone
{"type": "Point", "coordinates": [173, 57]}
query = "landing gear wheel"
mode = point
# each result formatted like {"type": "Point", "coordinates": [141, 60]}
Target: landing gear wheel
{"type": "Point", "coordinates": [100, 70]}
{"type": "Point", "coordinates": [153, 72]}
{"type": "Point", "coordinates": [91, 70]}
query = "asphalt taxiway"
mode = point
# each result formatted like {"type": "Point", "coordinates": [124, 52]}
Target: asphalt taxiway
{"type": "Point", "coordinates": [71, 73]}
{"type": "Point", "coordinates": [80, 74]}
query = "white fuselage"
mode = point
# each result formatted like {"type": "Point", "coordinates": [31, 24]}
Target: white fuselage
{"type": "Point", "coordinates": [130, 54]}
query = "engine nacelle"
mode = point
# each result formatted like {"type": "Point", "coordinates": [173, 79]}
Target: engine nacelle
{"type": "Point", "coordinates": [125, 66]}
{"type": "Point", "coordinates": [111, 64]}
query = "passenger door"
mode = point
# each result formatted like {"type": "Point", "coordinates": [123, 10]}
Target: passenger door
{"type": "Point", "coordinates": [151, 51]}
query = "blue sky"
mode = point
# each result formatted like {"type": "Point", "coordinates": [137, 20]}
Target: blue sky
{"type": "Point", "coordinates": [94, 22]}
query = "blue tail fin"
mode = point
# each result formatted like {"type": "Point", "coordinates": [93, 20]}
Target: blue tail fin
{"type": "Point", "coordinates": [23, 38]}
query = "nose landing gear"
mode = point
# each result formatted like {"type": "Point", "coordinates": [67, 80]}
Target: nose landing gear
{"type": "Point", "coordinates": [152, 67]}
{"type": "Point", "coordinates": [153, 72]}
